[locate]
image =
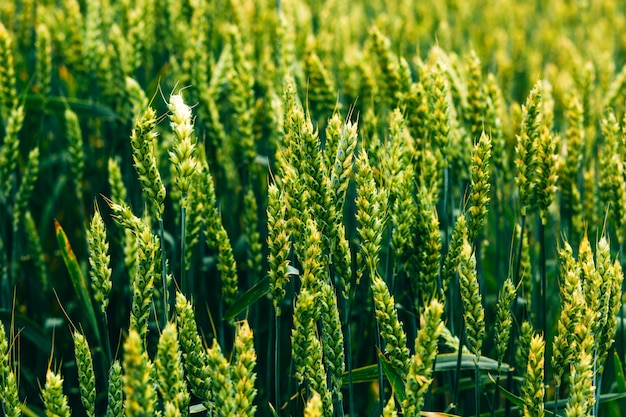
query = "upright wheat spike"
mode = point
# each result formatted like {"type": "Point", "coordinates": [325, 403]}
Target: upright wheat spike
{"type": "Point", "coordinates": [139, 390]}
{"type": "Point", "coordinates": [169, 371]}
{"type": "Point", "coordinates": [9, 400]}
{"type": "Point", "coordinates": [533, 391]}
{"type": "Point", "coordinates": [86, 376]}
{"type": "Point", "coordinates": [54, 400]}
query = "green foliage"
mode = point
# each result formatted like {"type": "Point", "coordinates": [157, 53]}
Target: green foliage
{"type": "Point", "coordinates": [339, 180]}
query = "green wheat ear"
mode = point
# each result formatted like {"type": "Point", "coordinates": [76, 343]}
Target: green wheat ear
{"type": "Point", "coordinates": [9, 399]}
{"type": "Point", "coordinates": [54, 400]}
{"type": "Point", "coordinates": [8, 92]}
{"type": "Point", "coordinates": [86, 376]}
{"type": "Point", "coordinates": [169, 370]}
{"type": "Point", "coordinates": [419, 377]}
{"type": "Point", "coordinates": [115, 406]}
{"type": "Point", "coordinates": [533, 391]}
{"type": "Point", "coordinates": [99, 259]}
{"type": "Point", "coordinates": [139, 390]}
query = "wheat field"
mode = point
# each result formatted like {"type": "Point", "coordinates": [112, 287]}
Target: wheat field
{"type": "Point", "coordinates": [318, 208]}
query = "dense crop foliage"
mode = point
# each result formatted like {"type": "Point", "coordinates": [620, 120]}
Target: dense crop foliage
{"type": "Point", "coordinates": [318, 208]}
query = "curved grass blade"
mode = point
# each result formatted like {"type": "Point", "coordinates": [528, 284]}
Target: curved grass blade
{"type": "Point", "coordinates": [251, 296]}
{"type": "Point", "coordinates": [59, 104]}
{"type": "Point", "coordinates": [619, 373]}
{"type": "Point", "coordinates": [78, 279]}
{"type": "Point", "coordinates": [394, 379]}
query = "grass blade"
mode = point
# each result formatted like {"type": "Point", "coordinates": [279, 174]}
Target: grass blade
{"type": "Point", "coordinates": [78, 279]}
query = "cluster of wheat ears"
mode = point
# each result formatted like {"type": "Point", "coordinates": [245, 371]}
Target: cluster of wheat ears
{"type": "Point", "coordinates": [293, 207]}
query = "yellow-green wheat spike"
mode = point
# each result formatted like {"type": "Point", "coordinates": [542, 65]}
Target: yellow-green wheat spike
{"type": "Point", "coordinates": [99, 259]}
{"type": "Point", "coordinates": [473, 311]}
{"type": "Point", "coordinates": [390, 326]}
{"type": "Point", "coordinates": [314, 406]}
{"type": "Point", "coordinates": [193, 352]}
{"type": "Point", "coordinates": [480, 186]}
{"type": "Point", "coordinates": [86, 376]}
{"type": "Point", "coordinates": [115, 395]}
{"type": "Point", "coordinates": [221, 383]}
{"type": "Point", "coordinates": [169, 370]}
{"type": "Point", "coordinates": [9, 400]}
{"type": "Point", "coordinates": [142, 141]}
{"type": "Point", "coordinates": [278, 247]}
{"type": "Point", "coordinates": [55, 402]}
{"type": "Point", "coordinates": [526, 148]}
{"type": "Point", "coordinates": [533, 391]}
{"type": "Point", "coordinates": [242, 370]}
{"type": "Point", "coordinates": [139, 390]}
{"type": "Point", "coordinates": [332, 339]}
{"type": "Point", "coordinates": [419, 376]}
{"type": "Point", "coordinates": [182, 153]}
{"type": "Point", "coordinates": [371, 216]}
{"type": "Point", "coordinates": [77, 154]}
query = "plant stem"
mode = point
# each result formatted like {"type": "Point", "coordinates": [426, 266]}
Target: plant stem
{"type": "Point", "coordinates": [348, 334]}
{"type": "Point", "coordinates": [543, 312]}
{"type": "Point", "coordinates": [183, 277]}
{"type": "Point", "coordinates": [477, 386]}
{"type": "Point", "coordinates": [509, 382]}
{"type": "Point", "coordinates": [455, 391]}
{"type": "Point", "coordinates": [277, 362]}
{"type": "Point", "coordinates": [166, 309]}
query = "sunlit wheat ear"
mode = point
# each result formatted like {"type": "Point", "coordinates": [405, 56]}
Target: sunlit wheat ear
{"type": "Point", "coordinates": [99, 259]}
{"type": "Point", "coordinates": [314, 406]}
{"type": "Point", "coordinates": [115, 404]}
{"type": "Point", "coordinates": [242, 370]}
{"type": "Point", "coordinates": [480, 186]}
{"type": "Point", "coordinates": [533, 391]}
{"type": "Point", "coordinates": [419, 377]}
{"type": "Point", "coordinates": [453, 257]}
{"type": "Point", "coordinates": [504, 319]}
{"type": "Point", "coordinates": [143, 285]}
{"type": "Point", "coordinates": [169, 371]}
{"type": "Point", "coordinates": [142, 141]}
{"type": "Point", "coordinates": [545, 187]}
{"type": "Point", "coordinates": [612, 183]}
{"type": "Point", "coordinates": [611, 293]}
{"type": "Point", "coordinates": [8, 92]}
{"type": "Point", "coordinates": [526, 149]}
{"type": "Point", "coordinates": [473, 312]}
{"type": "Point", "coordinates": [390, 326]}
{"type": "Point", "coordinates": [182, 153]}
{"type": "Point", "coordinates": [139, 389]}
{"type": "Point", "coordinates": [221, 383]}
{"type": "Point", "coordinates": [86, 375]}
{"type": "Point", "coordinates": [371, 216]}
{"type": "Point", "coordinates": [10, 402]}
{"type": "Point", "coordinates": [332, 339]}
{"type": "Point", "coordinates": [390, 408]}
{"type": "Point", "coordinates": [428, 240]}
{"type": "Point", "coordinates": [278, 247]}
{"type": "Point", "coordinates": [55, 402]}
{"type": "Point", "coordinates": [193, 352]}
{"type": "Point", "coordinates": [521, 354]}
